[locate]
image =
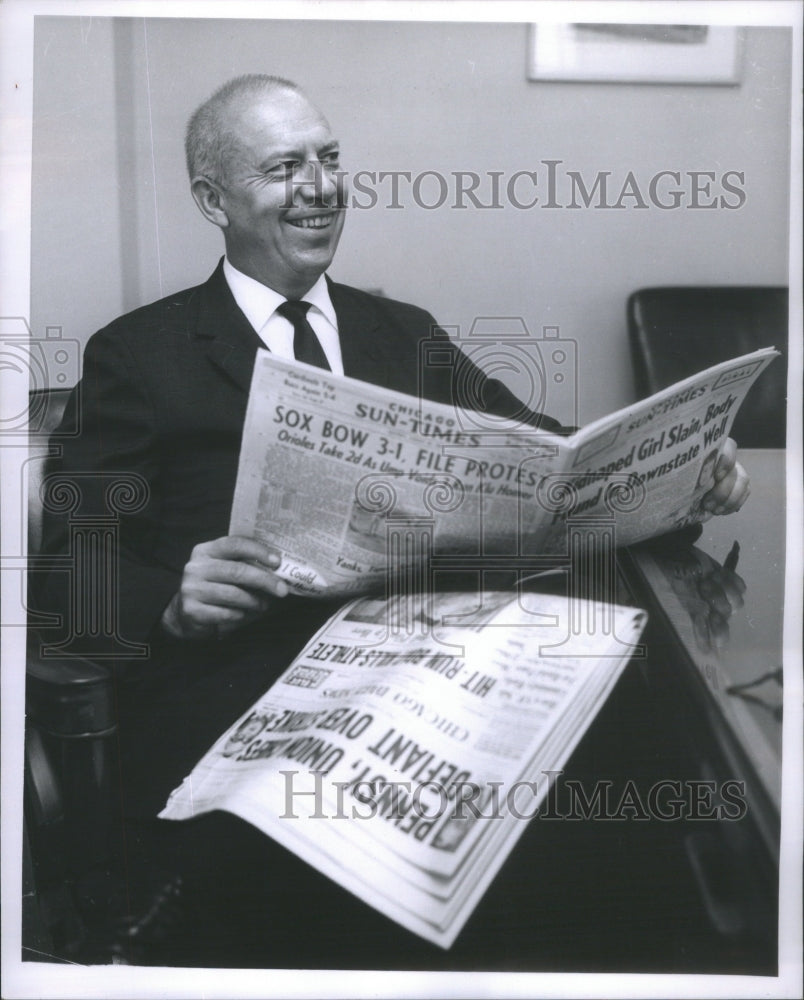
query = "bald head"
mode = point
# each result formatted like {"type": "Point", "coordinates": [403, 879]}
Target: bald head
{"type": "Point", "coordinates": [212, 136]}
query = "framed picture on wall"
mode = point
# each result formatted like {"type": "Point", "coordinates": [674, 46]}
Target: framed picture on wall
{"type": "Point", "coordinates": [635, 53]}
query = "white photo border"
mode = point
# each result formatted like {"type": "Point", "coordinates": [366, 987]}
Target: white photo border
{"type": "Point", "coordinates": [44, 980]}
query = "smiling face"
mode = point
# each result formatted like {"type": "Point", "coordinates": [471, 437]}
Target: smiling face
{"type": "Point", "coordinates": [279, 205]}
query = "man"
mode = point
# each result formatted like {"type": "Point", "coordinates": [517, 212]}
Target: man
{"type": "Point", "coordinates": [164, 394]}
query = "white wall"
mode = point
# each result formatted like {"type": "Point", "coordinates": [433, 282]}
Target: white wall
{"type": "Point", "coordinates": [76, 259]}
{"type": "Point", "coordinates": [114, 224]}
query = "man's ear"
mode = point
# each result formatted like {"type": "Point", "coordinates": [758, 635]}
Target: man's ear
{"type": "Point", "coordinates": [209, 198]}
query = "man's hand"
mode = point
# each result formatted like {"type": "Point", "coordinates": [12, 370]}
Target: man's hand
{"type": "Point", "coordinates": [732, 485]}
{"type": "Point", "coordinates": [227, 583]}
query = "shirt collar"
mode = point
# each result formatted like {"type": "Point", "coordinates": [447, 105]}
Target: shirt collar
{"type": "Point", "coordinates": [259, 302]}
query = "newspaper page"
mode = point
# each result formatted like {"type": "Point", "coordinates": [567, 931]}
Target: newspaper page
{"type": "Point", "coordinates": [401, 751]}
{"type": "Point", "coordinates": [334, 472]}
{"type": "Point", "coordinates": [648, 466]}
{"type": "Point", "coordinates": [330, 465]}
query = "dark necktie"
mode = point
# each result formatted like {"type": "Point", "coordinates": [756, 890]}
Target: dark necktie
{"type": "Point", "coordinates": [306, 345]}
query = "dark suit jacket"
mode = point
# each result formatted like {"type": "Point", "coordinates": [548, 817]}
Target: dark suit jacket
{"type": "Point", "coordinates": [163, 395]}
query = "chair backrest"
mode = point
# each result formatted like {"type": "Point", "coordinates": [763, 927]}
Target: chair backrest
{"type": "Point", "coordinates": [45, 411]}
{"type": "Point", "coordinates": [677, 331]}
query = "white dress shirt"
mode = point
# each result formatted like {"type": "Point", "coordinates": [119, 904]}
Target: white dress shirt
{"type": "Point", "coordinates": [259, 304]}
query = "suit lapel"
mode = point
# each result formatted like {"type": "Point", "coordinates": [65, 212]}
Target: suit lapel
{"type": "Point", "coordinates": [359, 332]}
{"type": "Point", "coordinates": [379, 339]}
{"type": "Point", "coordinates": [228, 338]}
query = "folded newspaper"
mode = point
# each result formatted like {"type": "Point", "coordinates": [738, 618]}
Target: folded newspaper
{"type": "Point", "coordinates": [403, 751]}
{"type": "Point", "coordinates": [343, 478]}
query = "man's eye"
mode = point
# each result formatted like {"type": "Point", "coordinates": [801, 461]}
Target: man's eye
{"type": "Point", "coordinates": [284, 169]}
{"type": "Point", "coordinates": [331, 160]}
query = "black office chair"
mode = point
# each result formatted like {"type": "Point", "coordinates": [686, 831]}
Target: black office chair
{"type": "Point", "coordinates": [69, 729]}
{"type": "Point", "coordinates": [677, 331]}
{"type": "Point", "coordinates": [75, 906]}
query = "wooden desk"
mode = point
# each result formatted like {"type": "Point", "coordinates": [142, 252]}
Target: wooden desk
{"type": "Point", "coordinates": [735, 650]}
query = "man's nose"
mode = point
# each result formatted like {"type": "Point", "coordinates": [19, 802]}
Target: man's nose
{"type": "Point", "coordinates": [313, 182]}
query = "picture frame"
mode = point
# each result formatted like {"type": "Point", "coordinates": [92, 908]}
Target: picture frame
{"type": "Point", "coordinates": [635, 53]}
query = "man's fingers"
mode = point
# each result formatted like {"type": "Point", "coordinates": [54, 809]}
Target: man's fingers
{"type": "Point", "coordinates": [238, 548]}
{"type": "Point", "coordinates": [715, 498]}
{"type": "Point", "coordinates": [238, 574]}
{"type": "Point", "coordinates": [738, 493]}
{"type": "Point", "coordinates": [222, 595]}
{"type": "Point", "coordinates": [210, 617]}
{"type": "Point", "coordinates": [227, 582]}
{"type": "Point", "coordinates": [239, 562]}
{"type": "Point", "coordinates": [192, 619]}
{"type": "Point", "coordinates": [725, 462]}
{"type": "Point", "coordinates": [730, 493]}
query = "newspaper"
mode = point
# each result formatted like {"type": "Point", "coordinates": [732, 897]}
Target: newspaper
{"type": "Point", "coordinates": [403, 750]}
{"type": "Point", "coordinates": [343, 478]}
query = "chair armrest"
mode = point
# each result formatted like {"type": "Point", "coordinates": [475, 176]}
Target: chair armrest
{"type": "Point", "coordinates": [69, 756]}
{"type": "Point", "coordinates": [69, 698]}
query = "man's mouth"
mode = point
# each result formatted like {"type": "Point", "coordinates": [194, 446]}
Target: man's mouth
{"type": "Point", "coordinates": [313, 221]}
